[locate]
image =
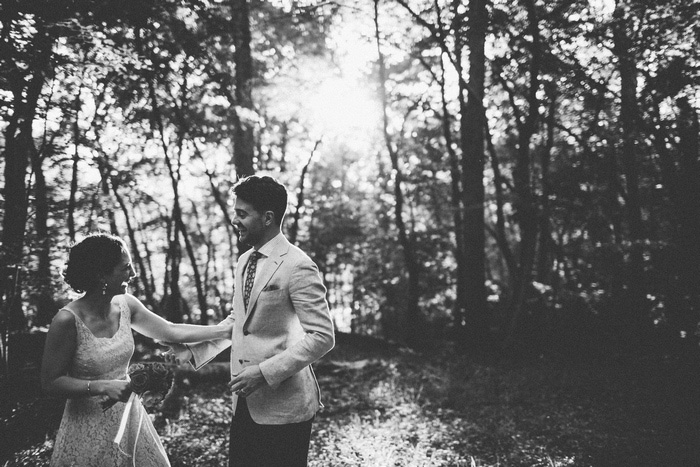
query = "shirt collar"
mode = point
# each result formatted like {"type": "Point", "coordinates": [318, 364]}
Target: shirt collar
{"type": "Point", "coordinates": [267, 249]}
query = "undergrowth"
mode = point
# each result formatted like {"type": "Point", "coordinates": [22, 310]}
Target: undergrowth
{"type": "Point", "coordinates": [390, 407]}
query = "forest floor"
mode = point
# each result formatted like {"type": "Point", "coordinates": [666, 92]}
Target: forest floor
{"type": "Point", "coordinates": [387, 406]}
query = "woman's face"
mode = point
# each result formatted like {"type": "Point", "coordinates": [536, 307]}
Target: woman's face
{"type": "Point", "coordinates": [118, 280]}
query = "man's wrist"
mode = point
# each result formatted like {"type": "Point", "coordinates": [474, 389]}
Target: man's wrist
{"type": "Point", "coordinates": [263, 376]}
{"type": "Point", "coordinates": [190, 359]}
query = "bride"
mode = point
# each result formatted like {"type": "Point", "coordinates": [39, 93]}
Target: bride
{"type": "Point", "coordinates": [87, 353]}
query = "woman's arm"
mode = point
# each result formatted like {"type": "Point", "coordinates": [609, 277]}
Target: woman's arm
{"type": "Point", "coordinates": [151, 325]}
{"type": "Point", "coordinates": [59, 349]}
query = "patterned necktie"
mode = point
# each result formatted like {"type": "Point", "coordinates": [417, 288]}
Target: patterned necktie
{"type": "Point", "coordinates": [250, 276]}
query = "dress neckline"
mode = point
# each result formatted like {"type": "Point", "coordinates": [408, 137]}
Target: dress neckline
{"type": "Point", "coordinates": [119, 323]}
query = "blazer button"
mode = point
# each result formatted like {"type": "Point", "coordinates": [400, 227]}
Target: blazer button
{"type": "Point", "coordinates": [245, 333]}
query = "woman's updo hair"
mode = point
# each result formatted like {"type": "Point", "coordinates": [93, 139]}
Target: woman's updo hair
{"type": "Point", "coordinates": [94, 256]}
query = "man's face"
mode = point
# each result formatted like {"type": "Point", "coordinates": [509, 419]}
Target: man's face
{"type": "Point", "coordinates": [249, 223]}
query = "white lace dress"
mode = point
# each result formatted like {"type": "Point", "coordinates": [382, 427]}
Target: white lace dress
{"type": "Point", "coordinates": [86, 435]}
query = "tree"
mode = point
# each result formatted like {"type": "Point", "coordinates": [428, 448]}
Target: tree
{"type": "Point", "coordinates": [412, 319]}
{"type": "Point", "coordinates": [526, 208]}
{"type": "Point", "coordinates": [243, 140]}
{"type": "Point", "coordinates": [25, 61]}
{"type": "Point", "coordinates": [633, 314]}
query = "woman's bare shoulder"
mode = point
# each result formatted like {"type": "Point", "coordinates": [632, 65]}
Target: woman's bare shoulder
{"type": "Point", "coordinates": [64, 320]}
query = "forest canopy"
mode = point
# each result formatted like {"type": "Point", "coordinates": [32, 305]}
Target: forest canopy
{"type": "Point", "coordinates": [512, 173]}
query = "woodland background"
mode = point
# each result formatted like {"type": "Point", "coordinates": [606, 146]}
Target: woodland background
{"type": "Point", "coordinates": [506, 177]}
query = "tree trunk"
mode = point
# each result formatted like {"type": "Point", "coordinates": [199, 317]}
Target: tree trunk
{"type": "Point", "coordinates": [456, 198]}
{"type": "Point", "coordinates": [221, 202]}
{"type": "Point", "coordinates": [472, 127]}
{"type": "Point", "coordinates": [45, 305]}
{"type": "Point", "coordinates": [688, 232]}
{"type": "Point", "coordinates": [243, 138]}
{"type": "Point", "coordinates": [633, 313]}
{"type": "Point", "coordinates": [19, 146]}
{"type": "Point", "coordinates": [173, 304]}
{"type": "Point", "coordinates": [522, 177]}
{"type": "Point", "coordinates": [148, 291]}
{"type": "Point", "coordinates": [174, 173]}
{"type": "Point", "coordinates": [544, 250]}
{"type": "Point", "coordinates": [413, 318]}
{"type": "Point", "coordinates": [500, 228]}
{"type": "Point", "coordinates": [294, 229]}
{"type": "Point", "coordinates": [74, 173]}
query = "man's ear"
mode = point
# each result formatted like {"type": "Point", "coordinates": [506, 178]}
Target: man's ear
{"type": "Point", "coordinates": [269, 218]}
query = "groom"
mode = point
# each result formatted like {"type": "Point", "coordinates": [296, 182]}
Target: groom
{"type": "Point", "coordinates": [281, 326]}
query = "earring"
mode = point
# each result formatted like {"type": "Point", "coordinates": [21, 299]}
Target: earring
{"type": "Point", "coordinates": [104, 289]}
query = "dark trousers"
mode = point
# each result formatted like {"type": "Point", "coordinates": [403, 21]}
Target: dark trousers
{"type": "Point", "coordinates": [253, 445]}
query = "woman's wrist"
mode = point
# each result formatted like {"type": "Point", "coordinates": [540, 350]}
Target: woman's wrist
{"type": "Point", "coordinates": [95, 388]}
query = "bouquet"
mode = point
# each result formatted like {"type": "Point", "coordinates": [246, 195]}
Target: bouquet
{"type": "Point", "coordinates": [144, 379]}
{"type": "Point", "coordinates": [147, 379]}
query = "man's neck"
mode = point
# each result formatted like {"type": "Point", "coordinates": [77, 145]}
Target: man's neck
{"type": "Point", "coordinates": [269, 235]}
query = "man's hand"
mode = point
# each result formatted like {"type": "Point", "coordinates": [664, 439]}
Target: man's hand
{"type": "Point", "coordinates": [247, 381]}
{"type": "Point", "coordinates": [177, 354]}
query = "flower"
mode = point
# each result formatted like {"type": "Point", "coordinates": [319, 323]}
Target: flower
{"type": "Point", "coordinates": [152, 378]}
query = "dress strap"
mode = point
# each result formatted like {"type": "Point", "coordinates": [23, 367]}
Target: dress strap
{"type": "Point", "coordinates": [80, 326]}
{"type": "Point", "coordinates": [124, 311]}
{"type": "Point", "coordinates": [78, 319]}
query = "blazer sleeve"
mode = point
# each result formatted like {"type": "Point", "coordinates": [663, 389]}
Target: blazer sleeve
{"type": "Point", "coordinates": [308, 296]}
{"type": "Point", "coordinates": [205, 351]}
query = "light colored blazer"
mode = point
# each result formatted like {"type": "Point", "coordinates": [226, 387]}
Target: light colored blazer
{"type": "Point", "coordinates": [286, 328]}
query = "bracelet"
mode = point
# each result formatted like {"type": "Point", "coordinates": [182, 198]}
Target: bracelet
{"type": "Point", "coordinates": [89, 388]}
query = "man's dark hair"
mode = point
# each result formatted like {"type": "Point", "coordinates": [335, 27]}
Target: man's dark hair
{"type": "Point", "coordinates": [264, 193]}
{"type": "Point", "coordinates": [96, 255]}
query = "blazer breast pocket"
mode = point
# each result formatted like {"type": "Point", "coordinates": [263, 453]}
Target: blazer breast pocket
{"type": "Point", "coordinates": [275, 296]}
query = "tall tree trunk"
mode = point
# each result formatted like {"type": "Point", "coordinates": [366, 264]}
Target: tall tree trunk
{"type": "Point", "coordinates": [544, 260]}
{"type": "Point", "coordinates": [243, 138]}
{"type": "Point", "coordinates": [173, 304]}
{"type": "Point", "coordinates": [633, 313]}
{"type": "Point", "coordinates": [174, 173]}
{"type": "Point", "coordinates": [148, 265]}
{"type": "Point", "coordinates": [221, 202]}
{"type": "Point", "coordinates": [19, 146]}
{"type": "Point", "coordinates": [688, 232]}
{"type": "Point", "coordinates": [456, 198]}
{"type": "Point", "coordinates": [45, 304]}
{"type": "Point", "coordinates": [181, 228]}
{"type": "Point", "coordinates": [294, 229]}
{"type": "Point", "coordinates": [472, 139]}
{"type": "Point", "coordinates": [74, 173]}
{"type": "Point", "coordinates": [522, 178]}
{"type": "Point", "coordinates": [99, 206]}
{"type": "Point", "coordinates": [148, 291]}
{"type": "Point", "coordinates": [413, 319]}
{"type": "Point", "coordinates": [470, 310]}
{"type": "Point", "coordinates": [500, 228]}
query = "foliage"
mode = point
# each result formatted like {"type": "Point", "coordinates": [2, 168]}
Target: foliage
{"type": "Point", "coordinates": [121, 116]}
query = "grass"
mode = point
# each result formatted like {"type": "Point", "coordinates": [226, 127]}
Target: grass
{"type": "Point", "coordinates": [390, 407]}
